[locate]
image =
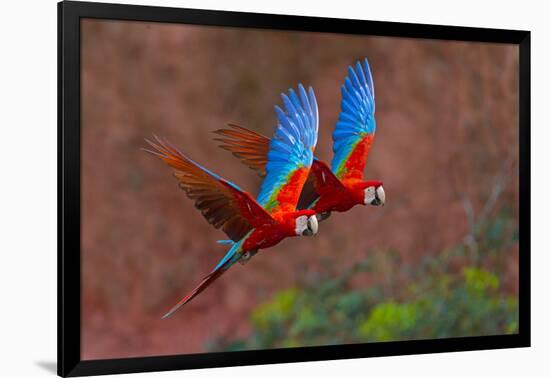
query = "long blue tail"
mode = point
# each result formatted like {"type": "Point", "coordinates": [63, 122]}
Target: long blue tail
{"type": "Point", "coordinates": [232, 256]}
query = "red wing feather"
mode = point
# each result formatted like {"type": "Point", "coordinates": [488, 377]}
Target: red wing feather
{"type": "Point", "coordinates": [323, 178]}
{"type": "Point", "coordinates": [222, 203]}
{"type": "Point", "coordinates": [308, 194]}
{"type": "Point", "coordinates": [354, 166]}
{"type": "Point", "coordinates": [248, 146]}
{"type": "Point", "coordinates": [320, 181]}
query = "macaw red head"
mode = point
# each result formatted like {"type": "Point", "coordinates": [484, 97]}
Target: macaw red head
{"type": "Point", "coordinates": [373, 193]}
{"type": "Point", "coordinates": [306, 223]}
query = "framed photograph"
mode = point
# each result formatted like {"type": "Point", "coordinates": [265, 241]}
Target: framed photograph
{"type": "Point", "coordinates": [217, 207]}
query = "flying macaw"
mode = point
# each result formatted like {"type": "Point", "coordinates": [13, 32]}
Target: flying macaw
{"type": "Point", "coordinates": [342, 186]}
{"type": "Point", "coordinates": [262, 223]}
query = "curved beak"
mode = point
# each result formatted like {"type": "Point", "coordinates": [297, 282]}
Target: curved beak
{"type": "Point", "coordinates": [313, 224]}
{"type": "Point", "coordinates": [380, 196]}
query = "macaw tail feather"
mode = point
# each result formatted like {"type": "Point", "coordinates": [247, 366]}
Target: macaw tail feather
{"type": "Point", "coordinates": [231, 257]}
{"type": "Point", "coordinates": [213, 276]}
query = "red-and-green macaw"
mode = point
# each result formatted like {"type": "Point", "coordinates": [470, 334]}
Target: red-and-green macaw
{"type": "Point", "coordinates": [342, 186]}
{"type": "Point", "coordinates": [262, 223]}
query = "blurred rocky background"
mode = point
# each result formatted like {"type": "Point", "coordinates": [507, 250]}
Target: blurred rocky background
{"type": "Point", "coordinates": [439, 260]}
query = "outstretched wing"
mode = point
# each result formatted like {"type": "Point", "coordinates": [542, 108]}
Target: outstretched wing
{"type": "Point", "coordinates": [290, 151]}
{"type": "Point", "coordinates": [354, 131]}
{"type": "Point", "coordinates": [251, 148]}
{"type": "Point", "coordinates": [221, 202]}
{"type": "Point", "coordinates": [248, 146]}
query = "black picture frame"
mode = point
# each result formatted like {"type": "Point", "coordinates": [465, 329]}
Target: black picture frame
{"type": "Point", "coordinates": [69, 315]}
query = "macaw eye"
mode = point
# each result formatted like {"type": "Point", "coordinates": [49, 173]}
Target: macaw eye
{"type": "Point", "coordinates": [301, 225]}
{"type": "Point", "coordinates": [370, 195]}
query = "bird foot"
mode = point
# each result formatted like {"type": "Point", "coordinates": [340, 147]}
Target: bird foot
{"type": "Point", "coordinates": [247, 256]}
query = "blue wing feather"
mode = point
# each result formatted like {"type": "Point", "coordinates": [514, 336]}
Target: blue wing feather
{"type": "Point", "coordinates": [293, 143]}
{"type": "Point", "coordinates": [356, 116]}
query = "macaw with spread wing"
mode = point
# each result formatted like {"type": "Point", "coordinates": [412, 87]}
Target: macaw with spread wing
{"type": "Point", "coordinates": [342, 186]}
{"type": "Point", "coordinates": [262, 223]}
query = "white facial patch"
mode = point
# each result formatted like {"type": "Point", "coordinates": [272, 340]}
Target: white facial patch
{"type": "Point", "coordinates": [370, 195]}
{"type": "Point", "coordinates": [301, 225]}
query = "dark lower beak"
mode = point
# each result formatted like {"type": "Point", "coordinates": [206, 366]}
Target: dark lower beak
{"type": "Point", "coordinates": [376, 202]}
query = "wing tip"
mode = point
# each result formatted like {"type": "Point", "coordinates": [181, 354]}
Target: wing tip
{"type": "Point", "coordinates": [158, 148]}
{"type": "Point", "coordinates": [151, 152]}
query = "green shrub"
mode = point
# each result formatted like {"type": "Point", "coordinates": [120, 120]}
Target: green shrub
{"type": "Point", "coordinates": [435, 301]}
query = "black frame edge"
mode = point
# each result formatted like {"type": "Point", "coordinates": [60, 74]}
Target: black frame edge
{"type": "Point", "coordinates": [68, 248]}
{"type": "Point", "coordinates": [292, 22]}
{"type": "Point", "coordinates": [60, 313]}
{"type": "Point", "coordinates": [69, 321]}
{"type": "Point", "coordinates": [525, 187]}
{"type": "Point", "coordinates": [292, 355]}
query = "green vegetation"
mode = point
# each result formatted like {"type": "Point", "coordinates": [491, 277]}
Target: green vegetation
{"type": "Point", "coordinates": [453, 294]}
